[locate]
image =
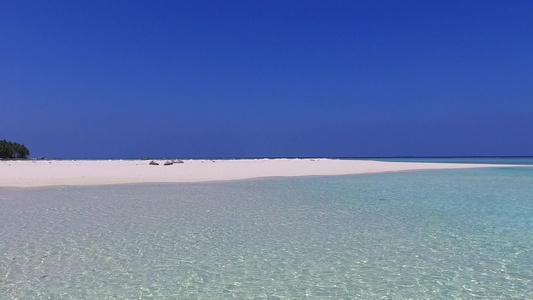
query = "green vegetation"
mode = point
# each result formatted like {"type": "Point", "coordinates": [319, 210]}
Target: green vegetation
{"type": "Point", "coordinates": [10, 150]}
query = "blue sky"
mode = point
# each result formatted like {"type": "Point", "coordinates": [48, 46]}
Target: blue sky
{"type": "Point", "coordinates": [130, 79]}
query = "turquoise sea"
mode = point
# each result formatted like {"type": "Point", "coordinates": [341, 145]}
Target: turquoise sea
{"type": "Point", "coordinates": [451, 234]}
{"type": "Point", "coordinates": [519, 160]}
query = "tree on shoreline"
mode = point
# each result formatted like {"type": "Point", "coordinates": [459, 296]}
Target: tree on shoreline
{"type": "Point", "coordinates": [10, 150]}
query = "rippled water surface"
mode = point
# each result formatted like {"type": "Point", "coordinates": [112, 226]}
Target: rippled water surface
{"type": "Point", "coordinates": [462, 234]}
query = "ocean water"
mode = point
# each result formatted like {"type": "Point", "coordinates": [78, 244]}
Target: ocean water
{"type": "Point", "coordinates": [520, 160]}
{"type": "Point", "coordinates": [454, 234]}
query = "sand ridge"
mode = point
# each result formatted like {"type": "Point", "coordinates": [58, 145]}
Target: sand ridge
{"type": "Point", "coordinates": [33, 173]}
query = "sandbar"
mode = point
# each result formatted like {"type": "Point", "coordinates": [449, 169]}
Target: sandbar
{"type": "Point", "coordinates": [34, 173]}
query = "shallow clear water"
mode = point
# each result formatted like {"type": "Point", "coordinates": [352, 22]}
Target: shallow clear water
{"type": "Point", "coordinates": [461, 234]}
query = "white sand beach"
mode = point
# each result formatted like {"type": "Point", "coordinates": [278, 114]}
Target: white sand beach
{"type": "Point", "coordinates": [33, 173]}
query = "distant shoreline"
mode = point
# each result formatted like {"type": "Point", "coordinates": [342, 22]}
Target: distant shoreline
{"type": "Point", "coordinates": [34, 173]}
{"type": "Point", "coordinates": [279, 157]}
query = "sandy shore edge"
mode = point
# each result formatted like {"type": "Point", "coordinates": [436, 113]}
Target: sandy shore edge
{"type": "Point", "coordinates": [35, 173]}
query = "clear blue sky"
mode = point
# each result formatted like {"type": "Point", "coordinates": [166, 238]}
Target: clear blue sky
{"type": "Point", "coordinates": [111, 79]}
